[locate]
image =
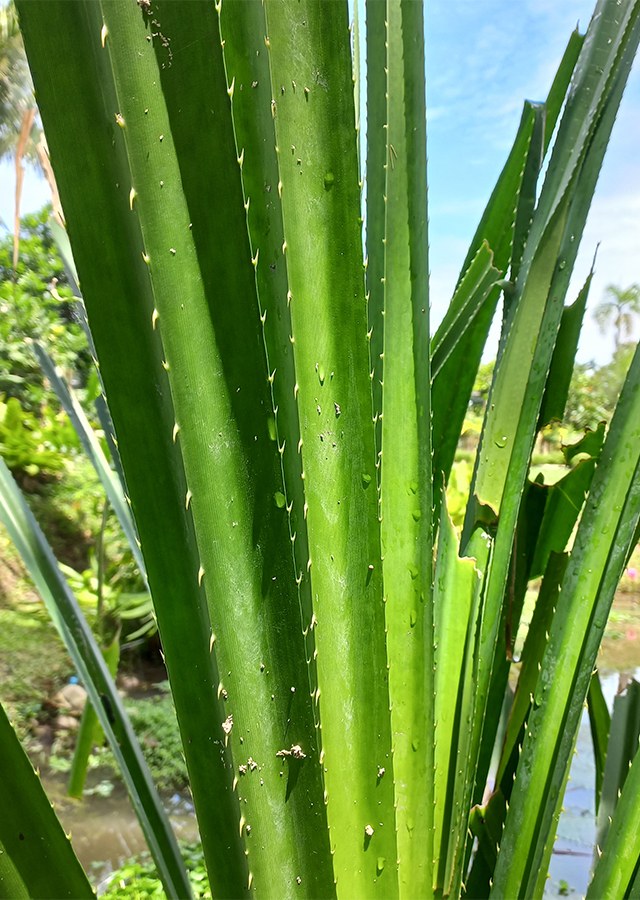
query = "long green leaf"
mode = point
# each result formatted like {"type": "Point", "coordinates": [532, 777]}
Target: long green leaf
{"type": "Point", "coordinates": [557, 387]}
{"type": "Point", "coordinates": [405, 484]}
{"type": "Point", "coordinates": [244, 33]}
{"type": "Point", "coordinates": [543, 869]}
{"type": "Point", "coordinates": [90, 731]}
{"type": "Point", "coordinates": [469, 298]}
{"type": "Point", "coordinates": [61, 239]}
{"type": "Point", "coordinates": [458, 613]}
{"type": "Point", "coordinates": [508, 391]}
{"type": "Point", "coordinates": [527, 195]}
{"type": "Point", "coordinates": [377, 154]}
{"type": "Point", "coordinates": [451, 391]}
{"type": "Point", "coordinates": [30, 832]}
{"type": "Point", "coordinates": [493, 467]}
{"type": "Point", "coordinates": [12, 887]}
{"type": "Point", "coordinates": [73, 628]}
{"type": "Point", "coordinates": [318, 167]}
{"type": "Point", "coordinates": [532, 654]}
{"type": "Point", "coordinates": [600, 724]}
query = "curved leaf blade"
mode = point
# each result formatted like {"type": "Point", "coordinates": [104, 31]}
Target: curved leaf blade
{"type": "Point", "coordinates": [31, 835]}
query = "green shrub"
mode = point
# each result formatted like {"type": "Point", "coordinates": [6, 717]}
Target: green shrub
{"type": "Point", "coordinates": [138, 878]}
{"type": "Point", "coordinates": [38, 305]}
{"type": "Point", "coordinates": [33, 445]}
{"type": "Point", "coordinates": [156, 727]}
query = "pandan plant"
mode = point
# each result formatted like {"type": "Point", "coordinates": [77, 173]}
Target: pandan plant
{"type": "Point", "coordinates": [339, 657]}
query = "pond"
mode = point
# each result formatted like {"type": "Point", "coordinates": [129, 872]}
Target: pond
{"type": "Point", "coordinates": [572, 860]}
{"type": "Point", "coordinates": [104, 830]}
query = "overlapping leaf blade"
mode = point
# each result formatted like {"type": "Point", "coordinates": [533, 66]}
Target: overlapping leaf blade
{"type": "Point", "coordinates": [310, 62]}
{"type": "Point", "coordinates": [452, 387]}
{"type": "Point", "coordinates": [588, 585]}
{"type": "Point", "coordinates": [519, 379]}
{"type": "Point", "coordinates": [616, 859]}
{"type": "Point", "coordinates": [117, 290]}
{"type": "Point", "coordinates": [81, 645]}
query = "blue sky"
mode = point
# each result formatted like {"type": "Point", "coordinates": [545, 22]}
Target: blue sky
{"type": "Point", "coordinates": [484, 57]}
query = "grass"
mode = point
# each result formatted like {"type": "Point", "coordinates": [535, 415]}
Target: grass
{"type": "Point", "coordinates": [33, 660]}
{"type": "Point", "coordinates": [67, 509]}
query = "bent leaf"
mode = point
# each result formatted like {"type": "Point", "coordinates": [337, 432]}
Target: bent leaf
{"type": "Point", "coordinates": [31, 835]}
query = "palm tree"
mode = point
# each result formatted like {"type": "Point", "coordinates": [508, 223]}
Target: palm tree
{"type": "Point", "coordinates": [16, 88]}
{"type": "Point", "coordinates": [621, 306]}
{"type": "Point", "coordinates": [21, 136]}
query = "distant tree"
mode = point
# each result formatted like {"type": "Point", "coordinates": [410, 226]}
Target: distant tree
{"type": "Point", "coordinates": [589, 400]}
{"type": "Point", "coordinates": [37, 305]}
{"type": "Point", "coordinates": [594, 390]}
{"type": "Point", "coordinates": [621, 307]}
{"type": "Point", "coordinates": [483, 380]}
